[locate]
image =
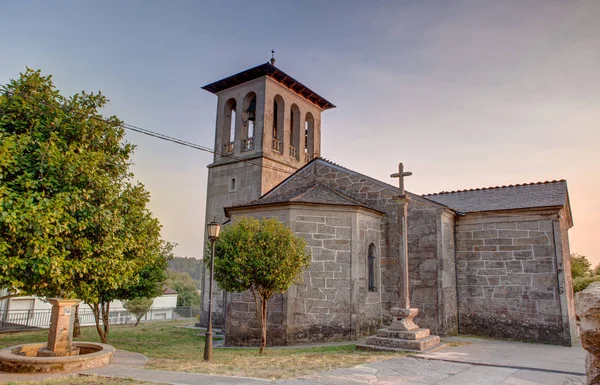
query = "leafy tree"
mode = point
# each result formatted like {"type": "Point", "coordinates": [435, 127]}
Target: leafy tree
{"type": "Point", "coordinates": [596, 270]}
{"type": "Point", "coordinates": [72, 224]}
{"type": "Point", "coordinates": [262, 256]}
{"type": "Point", "coordinates": [185, 287]}
{"type": "Point", "coordinates": [138, 307]}
{"type": "Point", "coordinates": [580, 266]}
{"type": "Point", "coordinates": [580, 283]}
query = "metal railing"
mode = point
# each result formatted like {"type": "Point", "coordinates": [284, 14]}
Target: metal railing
{"type": "Point", "coordinates": [16, 320]}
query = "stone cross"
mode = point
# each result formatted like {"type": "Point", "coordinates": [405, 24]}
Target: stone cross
{"type": "Point", "coordinates": [400, 175]}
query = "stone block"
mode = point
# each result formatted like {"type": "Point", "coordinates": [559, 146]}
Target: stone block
{"type": "Point", "coordinates": [547, 279]}
{"type": "Point", "coordinates": [538, 266]}
{"type": "Point", "coordinates": [305, 227]}
{"type": "Point", "coordinates": [493, 280]}
{"type": "Point", "coordinates": [302, 218]}
{"type": "Point", "coordinates": [506, 225]}
{"type": "Point", "coordinates": [343, 257]}
{"type": "Point", "coordinates": [528, 225]}
{"type": "Point", "coordinates": [337, 283]}
{"type": "Point", "coordinates": [508, 292]}
{"type": "Point", "coordinates": [470, 291]}
{"type": "Point", "coordinates": [464, 235]}
{"type": "Point", "coordinates": [514, 267]}
{"type": "Point", "coordinates": [496, 256]}
{"type": "Point", "coordinates": [494, 265]}
{"type": "Point", "coordinates": [468, 256]}
{"type": "Point", "coordinates": [405, 335]}
{"type": "Point", "coordinates": [484, 272]}
{"type": "Point", "coordinates": [469, 227]}
{"type": "Point", "coordinates": [514, 248]}
{"type": "Point", "coordinates": [487, 226]}
{"type": "Point", "coordinates": [517, 279]}
{"type": "Point", "coordinates": [332, 266]}
{"type": "Point", "coordinates": [485, 234]}
{"type": "Point", "coordinates": [541, 240]}
{"type": "Point", "coordinates": [523, 255]}
{"type": "Point", "coordinates": [336, 244]}
{"type": "Point", "coordinates": [393, 343]}
{"type": "Point", "coordinates": [320, 254]}
{"type": "Point", "coordinates": [343, 233]}
{"type": "Point", "coordinates": [344, 222]}
{"type": "Point", "coordinates": [498, 241]}
{"type": "Point", "coordinates": [485, 248]}
{"type": "Point", "coordinates": [539, 292]}
{"type": "Point", "coordinates": [324, 229]}
{"type": "Point", "coordinates": [513, 233]}
{"type": "Point", "coordinates": [548, 307]}
{"type": "Point", "coordinates": [323, 236]}
{"type": "Point", "coordinates": [543, 251]}
{"type": "Point", "coordinates": [469, 242]}
{"type": "Point", "coordinates": [522, 306]}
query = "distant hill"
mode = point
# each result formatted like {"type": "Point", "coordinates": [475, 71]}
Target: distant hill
{"type": "Point", "coordinates": [189, 265]}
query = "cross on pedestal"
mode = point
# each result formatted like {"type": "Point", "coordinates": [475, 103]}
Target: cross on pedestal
{"type": "Point", "coordinates": [402, 221]}
{"type": "Point", "coordinates": [400, 175]}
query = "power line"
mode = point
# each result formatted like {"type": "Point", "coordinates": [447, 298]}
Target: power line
{"type": "Point", "coordinates": [174, 140]}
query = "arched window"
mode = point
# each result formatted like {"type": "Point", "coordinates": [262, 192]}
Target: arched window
{"type": "Point", "coordinates": [229, 126]}
{"type": "Point", "coordinates": [294, 131]}
{"type": "Point", "coordinates": [248, 120]}
{"type": "Point", "coordinates": [309, 137]}
{"type": "Point", "coordinates": [372, 268]}
{"type": "Point", "coordinates": [278, 118]}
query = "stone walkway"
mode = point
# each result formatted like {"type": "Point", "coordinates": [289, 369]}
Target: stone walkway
{"type": "Point", "coordinates": [476, 362]}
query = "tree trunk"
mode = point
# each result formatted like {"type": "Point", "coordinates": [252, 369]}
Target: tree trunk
{"type": "Point", "coordinates": [263, 339]}
{"type": "Point", "coordinates": [96, 310]}
{"type": "Point", "coordinates": [137, 322]}
{"type": "Point", "coordinates": [76, 324]}
{"type": "Point", "coordinates": [105, 319]}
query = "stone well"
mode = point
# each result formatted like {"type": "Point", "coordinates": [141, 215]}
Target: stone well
{"type": "Point", "coordinates": [30, 358]}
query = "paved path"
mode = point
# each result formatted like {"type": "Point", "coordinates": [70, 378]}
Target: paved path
{"type": "Point", "coordinates": [510, 354]}
{"type": "Point", "coordinates": [479, 362]}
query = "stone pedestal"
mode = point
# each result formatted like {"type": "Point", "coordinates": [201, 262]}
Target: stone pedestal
{"type": "Point", "coordinates": [403, 334]}
{"type": "Point", "coordinates": [588, 311]}
{"type": "Point", "coordinates": [60, 335]}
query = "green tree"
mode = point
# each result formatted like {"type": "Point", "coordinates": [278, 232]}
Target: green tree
{"type": "Point", "coordinates": [72, 223]}
{"type": "Point", "coordinates": [185, 286]}
{"type": "Point", "coordinates": [262, 256]}
{"type": "Point", "coordinates": [138, 307]}
{"type": "Point", "coordinates": [580, 266]}
{"type": "Point", "coordinates": [596, 270]}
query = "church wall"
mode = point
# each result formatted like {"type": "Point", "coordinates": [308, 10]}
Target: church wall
{"type": "Point", "coordinates": [332, 302]}
{"type": "Point", "coordinates": [425, 260]}
{"type": "Point", "coordinates": [508, 277]}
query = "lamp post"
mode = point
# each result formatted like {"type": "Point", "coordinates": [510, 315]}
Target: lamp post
{"type": "Point", "coordinates": [213, 229]}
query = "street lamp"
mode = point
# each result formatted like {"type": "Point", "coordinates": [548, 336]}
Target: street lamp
{"type": "Point", "coordinates": [213, 230]}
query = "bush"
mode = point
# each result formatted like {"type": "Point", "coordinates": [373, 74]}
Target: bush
{"type": "Point", "coordinates": [581, 283]}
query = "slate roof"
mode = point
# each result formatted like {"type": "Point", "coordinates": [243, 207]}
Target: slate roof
{"type": "Point", "coordinates": [274, 73]}
{"type": "Point", "coordinates": [519, 196]}
{"type": "Point", "coordinates": [312, 193]}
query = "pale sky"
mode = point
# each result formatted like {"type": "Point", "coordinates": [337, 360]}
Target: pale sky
{"type": "Point", "coordinates": [466, 93]}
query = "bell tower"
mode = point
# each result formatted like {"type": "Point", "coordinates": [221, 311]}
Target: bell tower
{"type": "Point", "coordinates": [268, 126]}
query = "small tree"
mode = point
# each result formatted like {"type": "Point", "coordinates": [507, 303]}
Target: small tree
{"type": "Point", "coordinates": [580, 266]}
{"type": "Point", "coordinates": [185, 286]}
{"type": "Point", "coordinates": [138, 307]}
{"type": "Point", "coordinates": [262, 256]}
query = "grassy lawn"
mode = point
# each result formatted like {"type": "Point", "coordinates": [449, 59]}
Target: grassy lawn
{"type": "Point", "coordinates": [84, 381]}
{"type": "Point", "coordinates": [172, 347]}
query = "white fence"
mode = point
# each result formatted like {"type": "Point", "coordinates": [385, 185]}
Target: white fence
{"type": "Point", "coordinates": [15, 320]}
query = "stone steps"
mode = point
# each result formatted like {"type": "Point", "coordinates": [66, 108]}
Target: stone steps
{"type": "Point", "coordinates": [403, 344]}
{"type": "Point", "coordinates": [404, 335]}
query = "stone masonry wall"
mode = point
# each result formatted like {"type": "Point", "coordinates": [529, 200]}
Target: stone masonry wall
{"type": "Point", "coordinates": [507, 278]}
{"type": "Point", "coordinates": [320, 308]}
{"type": "Point", "coordinates": [424, 256]}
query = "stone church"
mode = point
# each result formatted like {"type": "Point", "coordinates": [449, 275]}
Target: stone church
{"type": "Point", "coordinates": [491, 261]}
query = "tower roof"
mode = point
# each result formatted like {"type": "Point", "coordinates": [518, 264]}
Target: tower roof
{"type": "Point", "coordinates": [274, 73]}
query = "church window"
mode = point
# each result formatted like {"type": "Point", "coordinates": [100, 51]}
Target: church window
{"type": "Point", "coordinates": [372, 268]}
{"type": "Point", "coordinates": [229, 122]}
{"type": "Point", "coordinates": [232, 186]}
{"type": "Point", "coordinates": [248, 121]}
{"type": "Point", "coordinates": [278, 118]}
{"type": "Point", "coordinates": [294, 146]}
{"type": "Point", "coordinates": [309, 137]}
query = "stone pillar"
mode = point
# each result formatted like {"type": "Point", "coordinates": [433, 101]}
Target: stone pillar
{"type": "Point", "coordinates": [588, 311]}
{"type": "Point", "coordinates": [60, 335]}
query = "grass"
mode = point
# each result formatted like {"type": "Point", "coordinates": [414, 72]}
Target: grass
{"type": "Point", "coordinates": [172, 347]}
{"type": "Point", "coordinates": [87, 380]}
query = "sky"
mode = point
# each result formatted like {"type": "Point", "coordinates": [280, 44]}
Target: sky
{"type": "Point", "coordinates": [466, 94]}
